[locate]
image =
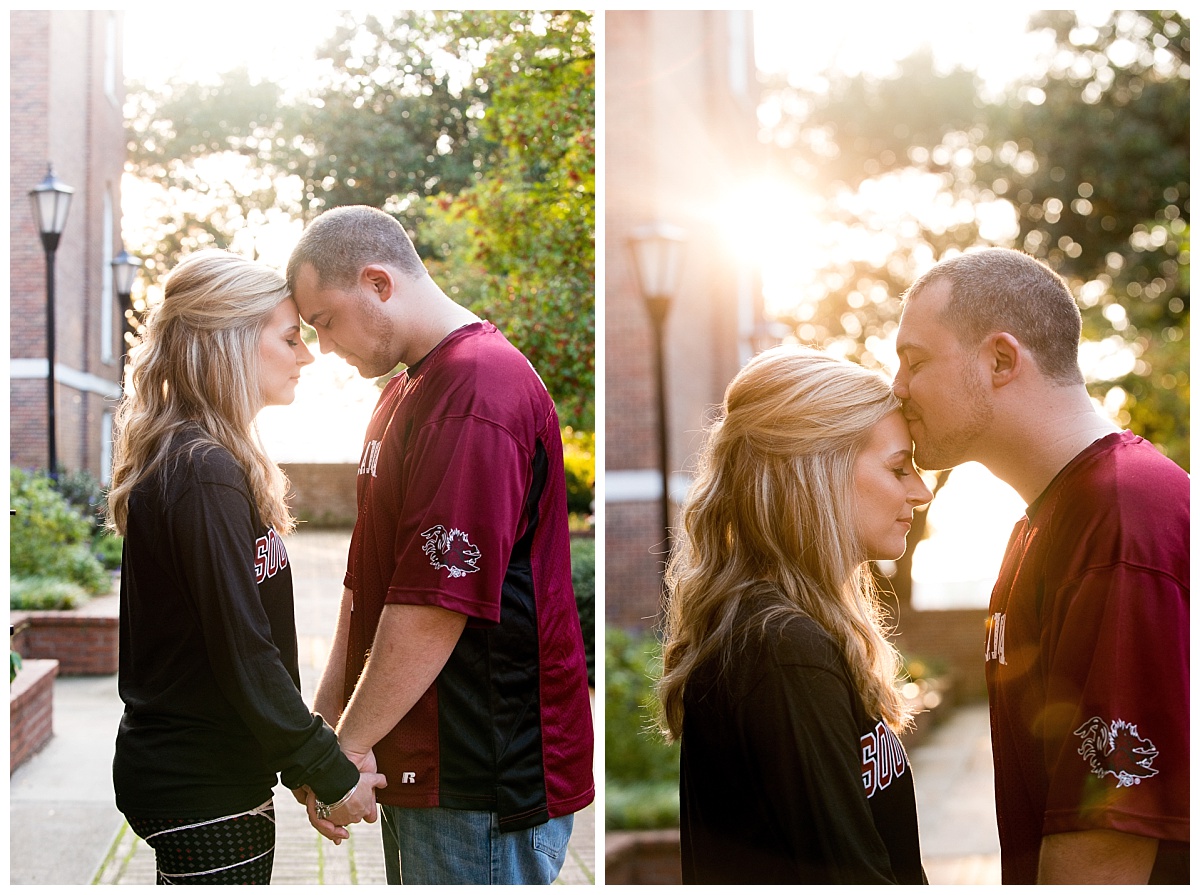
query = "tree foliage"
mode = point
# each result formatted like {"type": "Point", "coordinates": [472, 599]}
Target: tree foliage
{"type": "Point", "coordinates": [524, 231]}
{"type": "Point", "coordinates": [476, 129]}
{"type": "Point", "coordinates": [1084, 165]}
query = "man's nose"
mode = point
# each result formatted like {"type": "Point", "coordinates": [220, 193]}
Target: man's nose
{"type": "Point", "coordinates": [900, 386]}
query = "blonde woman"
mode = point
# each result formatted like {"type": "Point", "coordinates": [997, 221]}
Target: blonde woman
{"type": "Point", "coordinates": [778, 680]}
{"type": "Point", "coordinates": [208, 657]}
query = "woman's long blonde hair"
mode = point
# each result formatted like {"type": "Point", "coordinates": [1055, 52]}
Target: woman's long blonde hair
{"type": "Point", "coordinates": [198, 366]}
{"type": "Point", "coordinates": [771, 518]}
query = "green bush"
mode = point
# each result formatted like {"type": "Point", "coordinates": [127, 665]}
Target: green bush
{"type": "Point", "coordinates": [84, 493]}
{"type": "Point", "coordinates": [41, 592]}
{"type": "Point", "coordinates": [583, 577]}
{"type": "Point", "coordinates": [641, 769]}
{"type": "Point", "coordinates": [579, 461]}
{"type": "Point", "coordinates": [107, 548]}
{"type": "Point", "coordinates": [641, 806]}
{"type": "Point", "coordinates": [79, 565]}
{"type": "Point", "coordinates": [48, 537]}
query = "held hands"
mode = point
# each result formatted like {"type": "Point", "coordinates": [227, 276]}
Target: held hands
{"type": "Point", "coordinates": [357, 805]}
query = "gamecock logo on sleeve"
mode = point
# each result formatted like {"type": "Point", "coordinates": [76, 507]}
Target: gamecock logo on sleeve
{"type": "Point", "coordinates": [450, 550]}
{"type": "Point", "coordinates": [1116, 748]}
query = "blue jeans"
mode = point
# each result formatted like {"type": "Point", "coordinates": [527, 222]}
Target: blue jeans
{"type": "Point", "coordinates": [448, 846]}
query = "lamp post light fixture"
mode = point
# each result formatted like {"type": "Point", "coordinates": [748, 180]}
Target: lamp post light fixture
{"type": "Point", "coordinates": [657, 255]}
{"type": "Point", "coordinates": [51, 203]}
{"type": "Point", "coordinates": [125, 268]}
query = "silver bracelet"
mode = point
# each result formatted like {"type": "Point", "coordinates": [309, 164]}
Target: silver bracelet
{"type": "Point", "coordinates": [323, 810]}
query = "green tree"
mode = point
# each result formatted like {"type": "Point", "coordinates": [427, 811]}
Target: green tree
{"type": "Point", "coordinates": [1091, 158]}
{"type": "Point", "coordinates": [1087, 160]}
{"type": "Point", "coordinates": [396, 119]}
{"type": "Point", "coordinates": [1100, 176]}
{"type": "Point", "coordinates": [475, 129]}
{"type": "Point", "coordinates": [521, 240]}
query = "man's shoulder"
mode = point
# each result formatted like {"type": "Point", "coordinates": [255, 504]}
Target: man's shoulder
{"type": "Point", "coordinates": [481, 350]}
{"type": "Point", "coordinates": [480, 373]}
{"type": "Point", "coordinates": [1126, 502]}
{"type": "Point", "coordinates": [1124, 473]}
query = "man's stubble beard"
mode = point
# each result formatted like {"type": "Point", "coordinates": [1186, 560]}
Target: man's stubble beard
{"type": "Point", "coordinates": [955, 446]}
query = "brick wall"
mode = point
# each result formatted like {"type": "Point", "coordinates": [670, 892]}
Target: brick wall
{"type": "Point", "coordinates": [955, 636]}
{"type": "Point", "coordinates": [84, 641]}
{"type": "Point", "coordinates": [60, 112]}
{"type": "Point", "coordinates": [633, 565]}
{"type": "Point", "coordinates": [323, 494]}
{"type": "Point", "coordinates": [31, 710]}
{"type": "Point", "coordinates": [679, 139]}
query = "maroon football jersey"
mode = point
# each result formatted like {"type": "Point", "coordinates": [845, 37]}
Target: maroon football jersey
{"type": "Point", "coordinates": [1087, 657]}
{"type": "Point", "coordinates": [462, 504]}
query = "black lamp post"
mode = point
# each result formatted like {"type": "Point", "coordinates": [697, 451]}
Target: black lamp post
{"type": "Point", "coordinates": [125, 267]}
{"type": "Point", "coordinates": [657, 253]}
{"type": "Point", "coordinates": [51, 202]}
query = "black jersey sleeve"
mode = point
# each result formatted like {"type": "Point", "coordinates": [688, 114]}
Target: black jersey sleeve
{"type": "Point", "coordinates": [214, 536]}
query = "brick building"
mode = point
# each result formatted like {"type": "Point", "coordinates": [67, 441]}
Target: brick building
{"type": "Point", "coordinates": [680, 137]}
{"type": "Point", "coordinates": [65, 108]}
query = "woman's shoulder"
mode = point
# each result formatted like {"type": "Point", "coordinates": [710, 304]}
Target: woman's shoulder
{"type": "Point", "coordinates": [792, 638]}
{"type": "Point", "coordinates": [195, 458]}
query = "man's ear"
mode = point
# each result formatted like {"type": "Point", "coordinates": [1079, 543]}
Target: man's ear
{"type": "Point", "coordinates": [378, 280]}
{"type": "Point", "coordinates": [1005, 357]}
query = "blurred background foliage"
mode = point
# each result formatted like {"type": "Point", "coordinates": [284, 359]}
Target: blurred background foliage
{"type": "Point", "coordinates": [1084, 165]}
{"type": "Point", "coordinates": [476, 129]}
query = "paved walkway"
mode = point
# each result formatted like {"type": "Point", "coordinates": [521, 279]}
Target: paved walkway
{"type": "Point", "coordinates": [65, 828]}
{"type": "Point", "coordinates": [956, 808]}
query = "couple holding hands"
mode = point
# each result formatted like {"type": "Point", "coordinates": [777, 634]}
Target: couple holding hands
{"type": "Point", "coordinates": [454, 704]}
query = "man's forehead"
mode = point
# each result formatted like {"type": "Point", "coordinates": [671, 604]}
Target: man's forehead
{"type": "Point", "coordinates": [920, 319]}
{"type": "Point", "coordinates": [310, 298]}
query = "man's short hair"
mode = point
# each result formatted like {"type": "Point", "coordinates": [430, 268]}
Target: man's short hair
{"type": "Point", "coordinates": [340, 242]}
{"type": "Point", "coordinates": [1003, 290]}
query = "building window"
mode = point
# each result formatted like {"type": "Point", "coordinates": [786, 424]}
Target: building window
{"type": "Point", "coordinates": [108, 306]}
{"type": "Point", "coordinates": [106, 448]}
{"type": "Point", "coordinates": [110, 58]}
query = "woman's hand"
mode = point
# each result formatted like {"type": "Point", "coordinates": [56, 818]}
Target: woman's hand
{"type": "Point", "coordinates": [360, 805]}
{"type": "Point", "coordinates": [326, 828]}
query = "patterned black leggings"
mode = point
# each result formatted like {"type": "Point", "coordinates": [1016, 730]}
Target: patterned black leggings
{"type": "Point", "coordinates": [232, 850]}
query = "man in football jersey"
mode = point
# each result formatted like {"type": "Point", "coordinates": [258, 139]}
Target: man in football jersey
{"type": "Point", "coordinates": [1087, 638]}
{"type": "Point", "coordinates": [457, 666]}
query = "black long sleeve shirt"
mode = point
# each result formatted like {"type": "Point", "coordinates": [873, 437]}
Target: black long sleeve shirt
{"type": "Point", "coordinates": [208, 665]}
{"type": "Point", "coordinates": [784, 777]}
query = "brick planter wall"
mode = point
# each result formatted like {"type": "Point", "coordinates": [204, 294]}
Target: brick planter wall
{"type": "Point", "coordinates": [30, 709]}
{"type": "Point", "coordinates": [84, 641]}
{"type": "Point", "coordinates": [644, 857]}
{"type": "Point", "coordinates": [324, 495]}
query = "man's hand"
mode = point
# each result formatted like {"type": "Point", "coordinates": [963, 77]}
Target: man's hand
{"type": "Point", "coordinates": [364, 759]}
{"type": "Point", "coordinates": [361, 805]}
